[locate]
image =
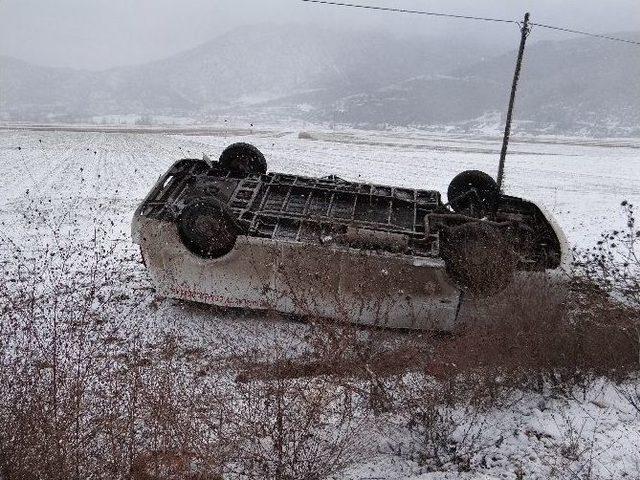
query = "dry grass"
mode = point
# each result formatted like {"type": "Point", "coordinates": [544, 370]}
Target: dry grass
{"type": "Point", "coordinates": [540, 337]}
{"type": "Point", "coordinates": [87, 393]}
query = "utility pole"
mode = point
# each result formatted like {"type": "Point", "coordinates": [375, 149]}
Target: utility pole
{"type": "Point", "coordinates": [524, 33]}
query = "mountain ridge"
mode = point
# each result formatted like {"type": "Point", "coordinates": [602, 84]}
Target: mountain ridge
{"type": "Point", "coordinates": [367, 79]}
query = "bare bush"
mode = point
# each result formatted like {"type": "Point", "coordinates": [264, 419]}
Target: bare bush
{"type": "Point", "coordinates": [290, 429]}
{"type": "Point", "coordinates": [440, 420]}
{"type": "Point", "coordinates": [86, 391]}
{"type": "Point", "coordinates": [614, 263]}
{"type": "Point", "coordinates": [548, 334]}
{"type": "Point", "coordinates": [611, 270]}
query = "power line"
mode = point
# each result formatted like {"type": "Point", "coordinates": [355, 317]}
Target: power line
{"type": "Point", "coordinates": [579, 32]}
{"type": "Point", "coordinates": [469, 17]}
{"type": "Point", "coordinates": [402, 10]}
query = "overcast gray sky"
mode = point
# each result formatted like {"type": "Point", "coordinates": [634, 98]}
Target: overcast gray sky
{"type": "Point", "coordinates": [99, 34]}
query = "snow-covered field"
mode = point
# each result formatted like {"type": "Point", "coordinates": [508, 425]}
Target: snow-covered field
{"type": "Point", "coordinates": [83, 179]}
{"type": "Point", "coordinates": [581, 182]}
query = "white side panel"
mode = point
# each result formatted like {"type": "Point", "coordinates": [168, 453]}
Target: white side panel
{"type": "Point", "coordinates": [369, 288]}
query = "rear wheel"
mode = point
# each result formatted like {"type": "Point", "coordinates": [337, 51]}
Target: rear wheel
{"type": "Point", "coordinates": [207, 228]}
{"type": "Point", "coordinates": [243, 158]}
{"type": "Point", "coordinates": [478, 258]}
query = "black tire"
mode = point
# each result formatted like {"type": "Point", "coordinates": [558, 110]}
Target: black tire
{"type": "Point", "coordinates": [243, 158]}
{"type": "Point", "coordinates": [207, 228]}
{"type": "Point", "coordinates": [474, 193]}
{"type": "Point", "coordinates": [478, 258]}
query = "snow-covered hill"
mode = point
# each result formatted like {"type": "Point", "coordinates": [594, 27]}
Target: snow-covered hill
{"type": "Point", "coordinates": [247, 66]}
{"type": "Point", "coordinates": [578, 86]}
{"type": "Point", "coordinates": [582, 86]}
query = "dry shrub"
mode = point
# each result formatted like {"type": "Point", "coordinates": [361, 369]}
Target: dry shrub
{"type": "Point", "coordinates": [542, 333]}
{"type": "Point", "coordinates": [557, 331]}
{"type": "Point", "coordinates": [545, 332]}
{"type": "Point", "coordinates": [613, 264]}
{"type": "Point", "coordinates": [83, 392]}
{"type": "Point", "coordinates": [433, 422]}
{"type": "Point", "coordinates": [292, 429]}
{"type": "Point", "coordinates": [381, 364]}
{"type": "Point", "coordinates": [344, 351]}
{"type": "Point", "coordinates": [87, 392]}
{"type": "Point", "coordinates": [611, 270]}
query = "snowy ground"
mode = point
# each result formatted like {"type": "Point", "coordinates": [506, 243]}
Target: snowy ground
{"type": "Point", "coordinates": [96, 178]}
{"type": "Point", "coordinates": [581, 182]}
{"type": "Point", "coordinates": [593, 436]}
